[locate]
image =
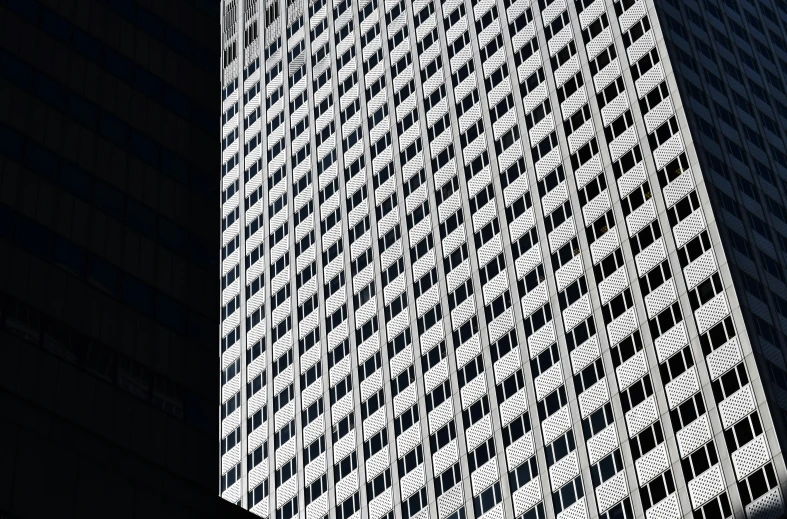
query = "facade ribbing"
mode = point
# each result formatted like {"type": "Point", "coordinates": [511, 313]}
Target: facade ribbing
{"type": "Point", "coordinates": [470, 268]}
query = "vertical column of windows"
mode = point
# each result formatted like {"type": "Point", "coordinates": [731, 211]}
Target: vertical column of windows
{"type": "Point", "coordinates": [379, 490]}
{"type": "Point", "coordinates": [231, 408]}
{"type": "Point", "coordinates": [590, 385]}
{"type": "Point", "coordinates": [258, 486]}
{"type": "Point", "coordinates": [602, 234]}
{"type": "Point", "coordinates": [346, 474]}
{"type": "Point", "coordinates": [310, 353]}
{"type": "Point", "coordinates": [279, 198]}
{"type": "Point", "coordinates": [446, 468]}
{"type": "Point", "coordinates": [482, 459]}
{"type": "Point", "coordinates": [509, 378]}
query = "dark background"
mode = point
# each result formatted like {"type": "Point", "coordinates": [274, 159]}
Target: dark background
{"type": "Point", "coordinates": [109, 201]}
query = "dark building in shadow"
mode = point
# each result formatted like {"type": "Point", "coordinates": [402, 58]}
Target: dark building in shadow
{"type": "Point", "coordinates": [108, 241]}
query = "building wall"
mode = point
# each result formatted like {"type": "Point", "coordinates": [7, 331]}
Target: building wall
{"type": "Point", "coordinates": [581, 345]}
{"type": "Point", "coordinates": [105, 299]}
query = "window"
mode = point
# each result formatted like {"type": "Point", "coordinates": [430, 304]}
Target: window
{"type": "Point", "coordinates": [378, 485]}
{"type": "Point", "coordinates": [348, 507]}
{"type": "Point", "coordinates": [676, 364]}
{"type": "Point", "coordinates": [372, 404]}
{"type": "Point", "coordinates": [591, 374]}
{"type": "Point", "coordinates": [743, 432]}
{"type": "Point", "coordinates": [476, 412]}
{"type": "Point", "coordinates": [717, 336]}
{"type": "Point", "coordinates": [646, 440]}
{"type": "Point", "coordinates": [470, 371]}
{"type": "Point", "coordinates": [563, 55]}
{"type": "Point", "coordinates": [311, 413]}
{"type": "Point", "coordinates": [565, 254]}
{"type": "Point", "coordinates": [406, 420]}
{"type": "Point", "coordinates": [510, 386]}
{"type": "Point", "coordinates": [705, 291]}
{"type": "Point", "coordinates": [724, 386]}
{"type": "Point", "coordinates": [657, 489]}
{"type": "Point", "coordinates": [544, 360]}
{"type": "Point", "coordinates": [433, 357]}
{"type": "Point", "coordinates": [663, 133]}
{"type": "Point", "coordinates": [552, 403]}
{"type": "Point", "coordinates": [687, 412]}
{"type": "Point", "coordinates": [531, 280]}
{"type": "Point", "coordinates": [437, 396]}
{"type": "Point", "coordinates": [656, 277]}
{"type": "Point", "coordinates": [551, 181]}
{"type": "Point", "coordinates": [487, 499]}
{"type": "Point", "coordinates": [414, 504]}
{"type": "Point", "coordinates": [572, 85]}
{"type": "Point", "coordinates": [515, 430]}
{"type": "Point", "coordinates": [572, 293]}
{"type": "Point", "coordinates": [523, 474]}
{"type": "Point", "coordinates": [584, 154]}
{"type": "Point", "coordinates": [345, 467]}
{"type": "Point", "coordinates": [518, 207]}
{"type": "Point", "coordinates": [533, 81]}
{"type": "Point", "coordinates": [606, 468]}
{"type": "Point", "coordinates": [481, 454]}
{"type": "Point", "coordinates": [636, 31]}
{"type": "Point", "coordinates": [442, 437]}
{"type": "Point", "coordinates": [699, 461]}
{"type": "Point", "coordinates": [524, 243]}
{"type": "Point", "coordinates": [316, 489]}
{"type": "Point", "coordinates": [600, 227]}
{"type": "Point", "coordinates": [369, 367]}
{"type": "Point", "coordinates": [411, 460]}
{"type": "Point", "coordinates": [595, 28]}
{"type": "Point", "coordinates": [537, 320]}
{"type": "Point", "coordinates": [609, 265]}
{"type": "Point", "coordinates": [578, 119]}
{"type": "Point", "coordinates": [402, 381]}
{"type": "Point", "coordinates": [636, 393]}
{"type": "Point", "coordinates": [556, 218]}
{"type": "Point", "coordinates": [538, 113]}
{"type": "Point", "coordinates": [568, 494]}
{"type": "Point", "coordinates": [627, 161]}
{"type": "Point", "coordinates": [716, 507]}
{"type": "Point", "coordinates": [695, 248]}
{"type": "Point", "coordinates": [664, 321]}
{"type": "Point", "coordinates": [617, 127]}
{"type": "Point", "coordinates": [560, 448]}
{"type": "Point", "coordinates": [598, 420]}
{"type": "Point", "coordinates": [454, 259]}
{"type": "Point", "coordinates": [757, 483]}
{"type": "Point", "coordinates": [644, 64]}
{"type": "Point", "coordinates": [580, 333]}
{"type": "Point", "coordinates": [645, 237]}
{"type": "Point", "coordinates": [460, 294]}
{"type": "Point", "coordinates": [313, 450]}
{"type": "Point", "coordinates": [603, 59]}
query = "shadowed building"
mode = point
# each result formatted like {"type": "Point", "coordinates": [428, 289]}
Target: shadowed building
{"type": "Point", "coordinates": [107, 304]}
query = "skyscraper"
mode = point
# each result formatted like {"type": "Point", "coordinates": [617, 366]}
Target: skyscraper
{"type": "Point", "coordinates": [471, 267]}
{"type": "Point", "coordinates": [108, 259]}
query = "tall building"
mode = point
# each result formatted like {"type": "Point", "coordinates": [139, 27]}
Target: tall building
{"type": "Point", "coordinates": [471, 266]}
{"type": "Point", "coordinates": [108, 258]}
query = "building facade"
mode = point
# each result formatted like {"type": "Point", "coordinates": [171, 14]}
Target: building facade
{"type": "Point", "coordinates": [107, 292]}
{"type": "Point", "coordinates": [471, 268]}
